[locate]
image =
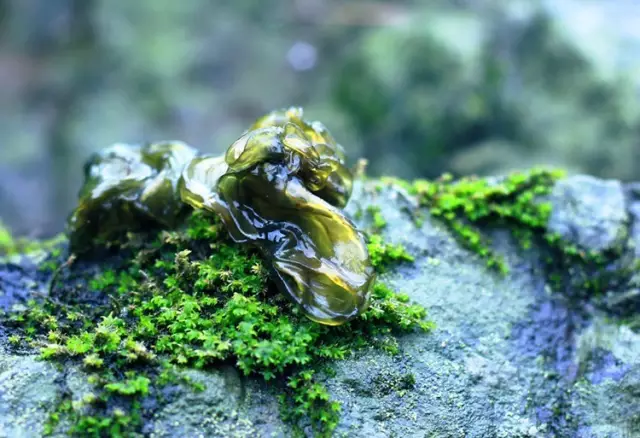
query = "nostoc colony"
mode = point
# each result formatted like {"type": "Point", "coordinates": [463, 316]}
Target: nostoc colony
{"type": "Point", "coordinates": [280, 187]}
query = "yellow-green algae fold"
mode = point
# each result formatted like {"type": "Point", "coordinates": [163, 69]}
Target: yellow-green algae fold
{"type": "Point", "coordinates": [129, 188]}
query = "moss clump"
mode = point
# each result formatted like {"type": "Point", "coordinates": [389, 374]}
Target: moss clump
{"type": "Point", "coordinates": [378, 222]}
{"type": "Point", "coordinates": [385, 254]}
{"type": "Point", "coordinates": [6, 240]}
{"type": "Point", "coordinates": [191, 298]}
{"type": "Point", "coordinates": [469, 203]}
{"type": "Point", "coordinates": [589, 270]}
{"type": "Point", "coordinates": [516, 202]}
{"type": "Point", "coordinates": [10, 245]}
{"type": "Point", "coordinates": [394, 381]}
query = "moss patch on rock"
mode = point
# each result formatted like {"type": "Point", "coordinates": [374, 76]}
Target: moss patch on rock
{"type": "Point", "coordinates": [193, 299]}
{"type": "Point", "coordinates": [469, 203]}
{"type": "Point", "coordinates": [11, 245]}
{"type": "Point", "coordinates": [536, 207]}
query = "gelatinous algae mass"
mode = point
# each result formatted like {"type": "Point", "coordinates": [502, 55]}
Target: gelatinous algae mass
{"type": "Point", "coordinates": [262, 190]}
{"type": "Point", "coordinates": [280, 186]}
{"type": "Point", "coordinates": [335, 179]}
{"type": "Point", "coordinates": [129, 188]}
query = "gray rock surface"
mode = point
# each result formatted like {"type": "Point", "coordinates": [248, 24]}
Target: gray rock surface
{"type": "Point", "coordinates": [633, 194]}
{"type": "Point", "coordinates": [590, 212]}
{"type": "Point", "coordinates": [212, 412]}
{"type": "Point", "coordinates": [608, 393]}
{"type": "Point", "coordinates": [509, 357]}
{"type": "Point", "coordinates": [27, 392]}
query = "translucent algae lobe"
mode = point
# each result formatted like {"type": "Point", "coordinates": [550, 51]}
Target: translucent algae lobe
{"type": "Point", "coordinates": [267, 190]}
{"type": "Point", "coordinates": [336, 180]}
{"type": "Point", "coordinates": [127, 188]}
{"type": "Point", "coordinates": [280, 186]}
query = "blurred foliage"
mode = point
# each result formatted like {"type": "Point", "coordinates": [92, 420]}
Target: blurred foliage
{"type": "Point", "coordinates": [502, 94]}
{"type": "Point", "coordinates": [417, 87]}
{"type": "Point", "coordinates": [12, 246]}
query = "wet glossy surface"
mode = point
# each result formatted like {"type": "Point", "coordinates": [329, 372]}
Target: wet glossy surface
{"type": "Point", "coordinates": [335, 180]}
{"type": "Point", "coordinates": [280, 186]}
{"type": "Point", "coordinates": [263, 190]}
{"type": "Point", "coordinates": [129, 188]}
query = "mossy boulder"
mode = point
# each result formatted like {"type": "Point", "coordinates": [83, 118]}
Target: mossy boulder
{"type": "Point", "coordinates": [514, 353]}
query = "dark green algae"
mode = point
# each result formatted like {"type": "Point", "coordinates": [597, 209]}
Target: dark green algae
{"type": "Point", "coordinates": [280, 186]}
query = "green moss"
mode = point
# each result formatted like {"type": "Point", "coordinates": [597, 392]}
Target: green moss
{"type": "Point", "coordinates": [118, 423]}
{"type": "Point", "coordinates": [6, 240]}
{"type": "Point", "coordinates": [378, 222]}
{"type": "Point", "coordinates": [515, 202]}
{"type": "Point", "coordinates": [135, 385]}
{"type": "Point", "coordinates": [10, 245]}
{"type": "Point", "coordinates": [593, 272]}
{"type": "Point", "coordinates": [469, 203]}
{"type": "Point", "coordinates": [394, 381]}
{"type": "Point", "coordinates": [384, 254]}
{"type": "Point", "coordinates": [191, 298]}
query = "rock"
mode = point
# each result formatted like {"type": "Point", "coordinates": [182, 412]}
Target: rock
{"type": "Point", "coordinates": [508, 357]}
{"type": "Point", "coordinates": [608, 395]}
{"type": "Point", "coordinates": [590, 212]}
{"type": "Point", "coordinates": [633, 191]}
{"type": "Point", "coordinates": [212, 412]}
{"type": "Point", "coordinates": [592, 217]}
{"type": "Point", "coordinates": [18, 279]}
{"type": "Point", "coordinates": [28, 390]}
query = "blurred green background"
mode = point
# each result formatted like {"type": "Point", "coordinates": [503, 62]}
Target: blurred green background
{"type": "Point", "coordinates": [416, 87]}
